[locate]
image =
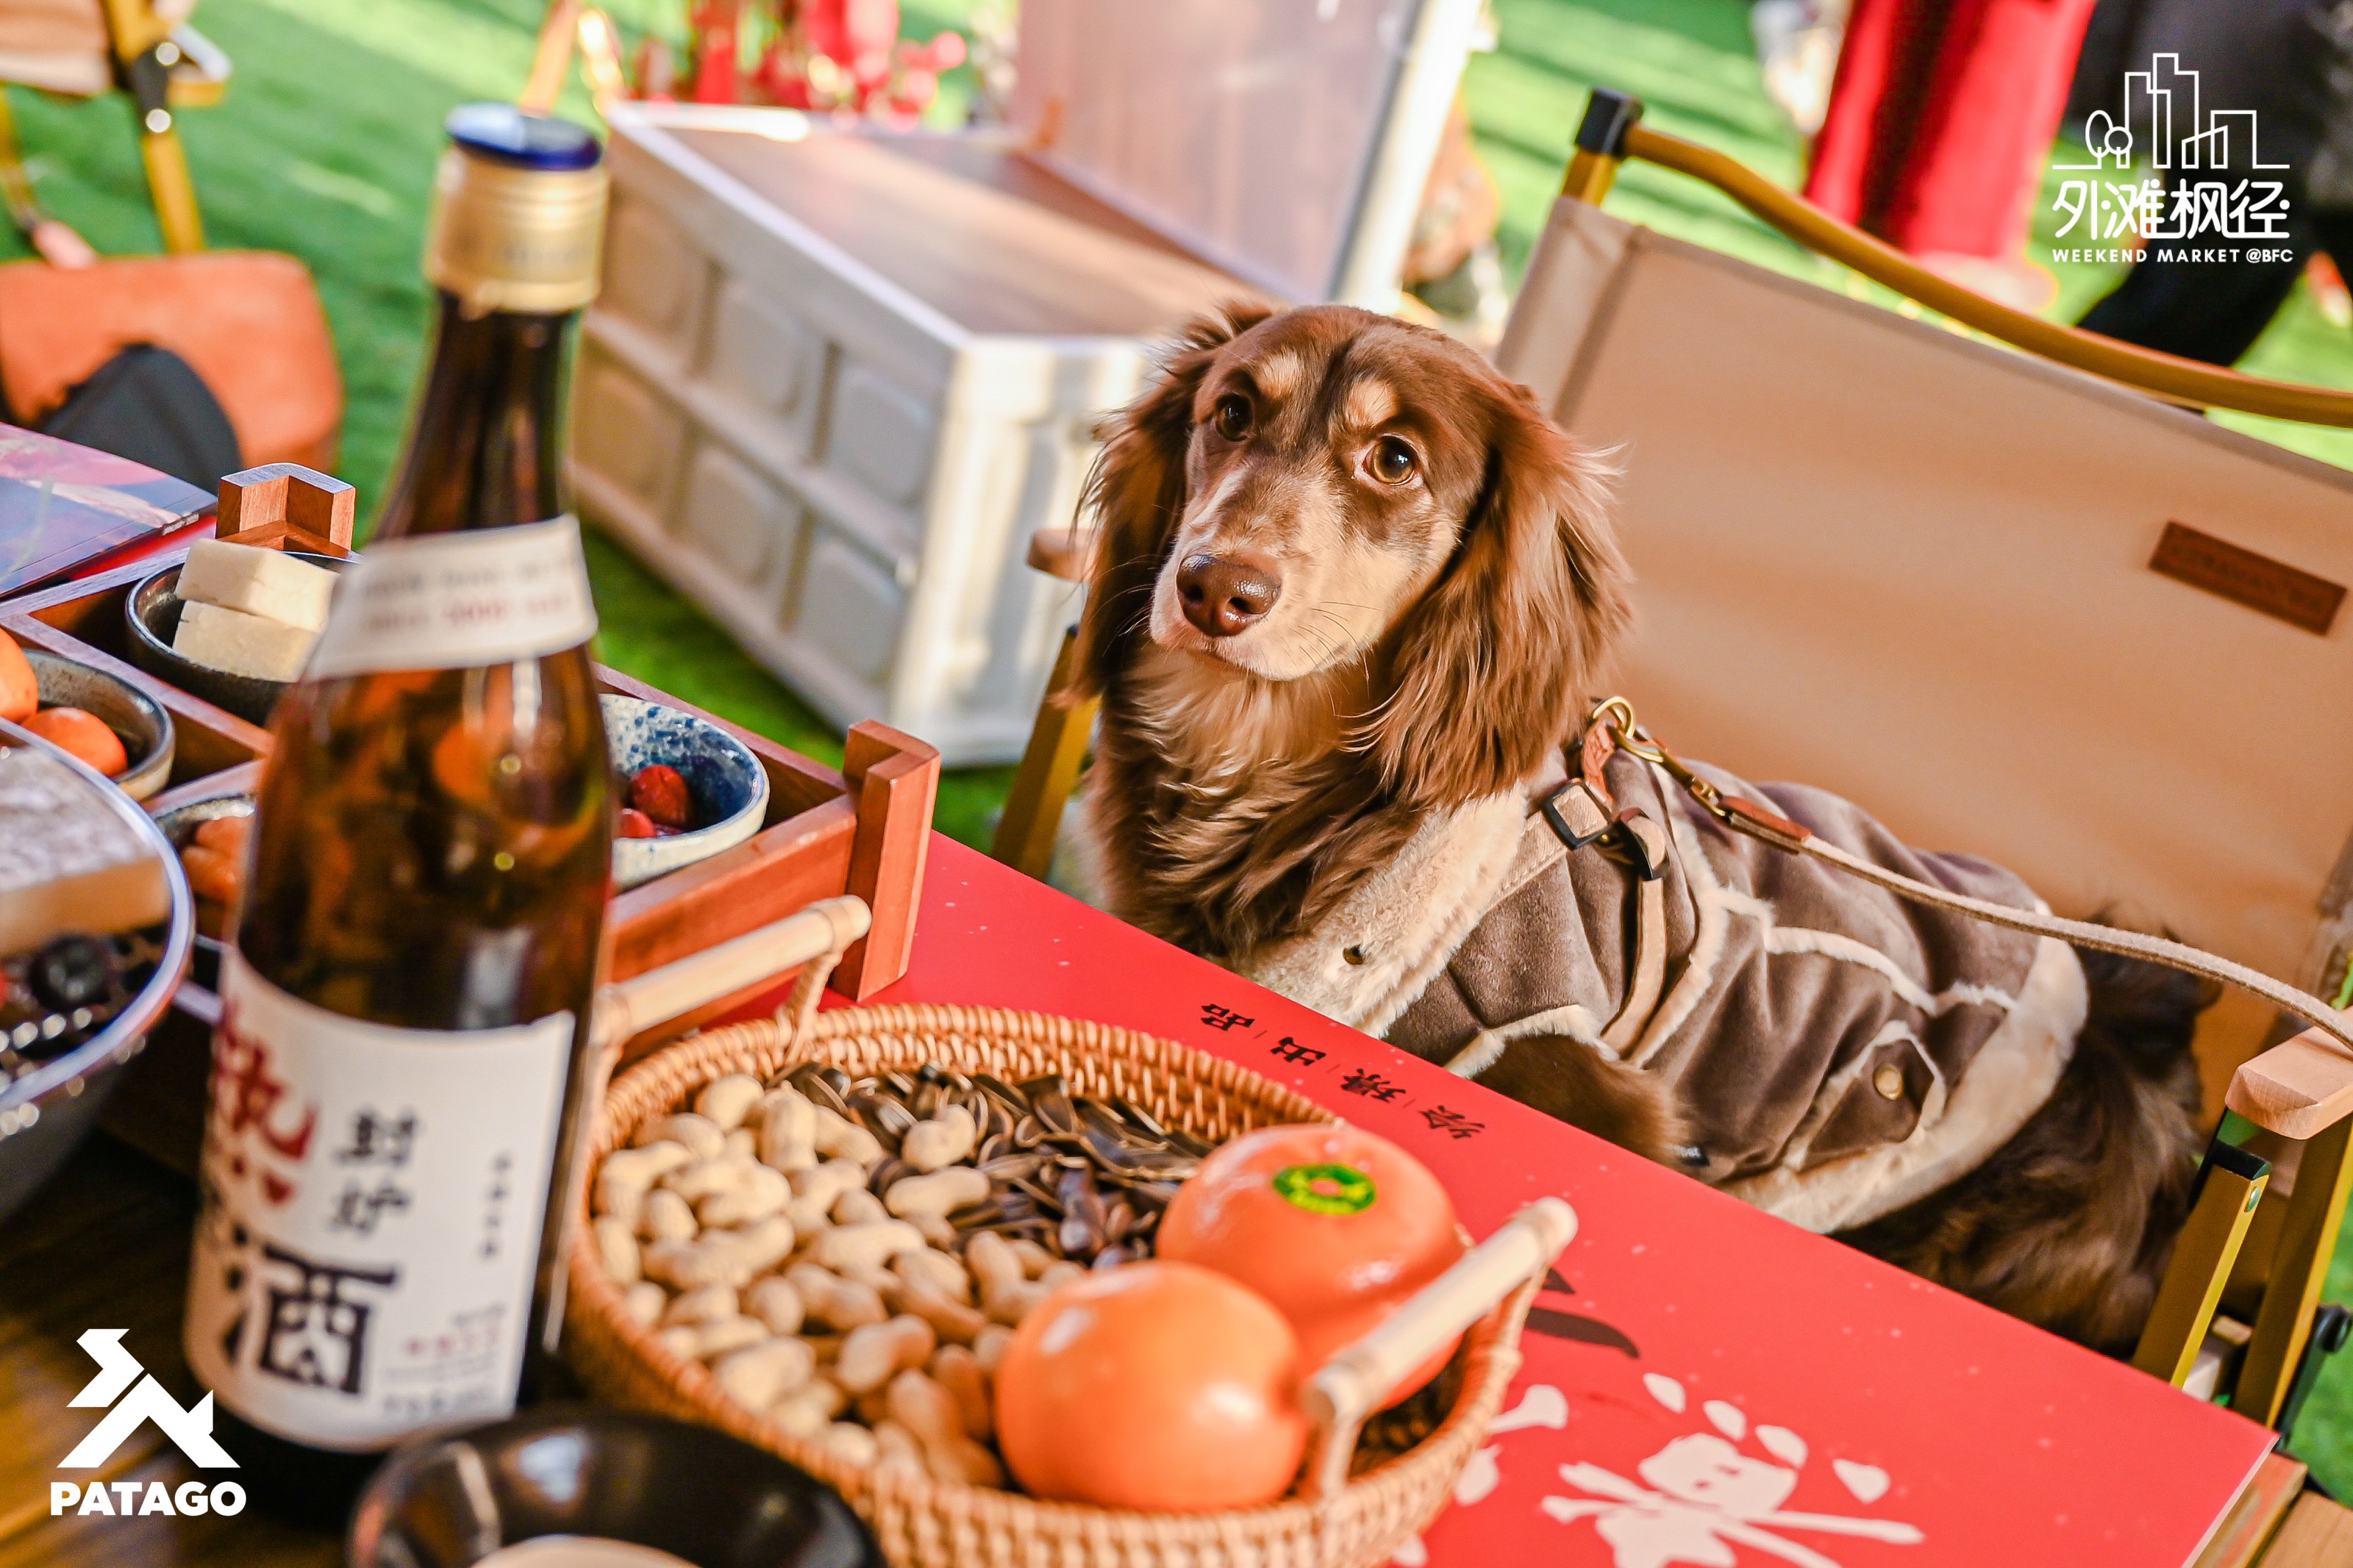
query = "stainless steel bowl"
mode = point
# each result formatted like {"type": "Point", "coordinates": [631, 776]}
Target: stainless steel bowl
{"type": "Point", "coordinates": [47, 1109]}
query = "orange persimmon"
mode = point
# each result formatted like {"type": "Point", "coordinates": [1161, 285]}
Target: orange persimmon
{"type": "Point", "coordinates": [83, 734]}
{"type": "Point", "coordinates": [1335, 1226]}
{"type": "Point", "coordinates": [1159, 1386]}
{"type": "Point", "coordinates": [20, 691]}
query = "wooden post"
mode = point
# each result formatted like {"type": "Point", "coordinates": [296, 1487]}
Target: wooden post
{"type": "Point", "coordinates": [895, 780]}
{"type": "Point", "coordinates": [285, 506]}
{"type": "Point", "coordinates": [2230, 1187]}
{"type": "Point", "coordinates": [1049, 772]}
{"type": "Point", "coordinates": [2299, 1268]}
{"type": "Point", "coordinates": [1600, 144]}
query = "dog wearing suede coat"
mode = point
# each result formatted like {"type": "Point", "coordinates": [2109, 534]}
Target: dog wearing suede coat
{"type": "Point", "coordinates": [1352, 600]}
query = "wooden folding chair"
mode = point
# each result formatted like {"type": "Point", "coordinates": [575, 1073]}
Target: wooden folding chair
{"type": "Point", "coordinates": [2240, 1310]}
{"type": "Point", "coordinates": [2030, 606]}
{"type": "Point", "coordinates": [83, 47]}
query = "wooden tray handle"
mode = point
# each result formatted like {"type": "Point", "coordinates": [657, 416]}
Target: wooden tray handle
{"type": "Point", "coordinates": [812, 941]}
{"type": "Point", "coordinates": [1348, 1387]}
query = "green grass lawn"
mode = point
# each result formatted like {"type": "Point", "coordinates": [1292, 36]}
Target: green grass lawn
{"type": "Point", "coordinates": [325, 148]}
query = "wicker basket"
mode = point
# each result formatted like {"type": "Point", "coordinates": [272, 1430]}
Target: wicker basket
{"type": "Point", "coordinates": [924, 1524]}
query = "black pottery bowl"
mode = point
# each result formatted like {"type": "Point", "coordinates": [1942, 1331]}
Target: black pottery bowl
{"type": "Point", "coordinates": [608, 1475]}
{"type": "Point", "coordinates": [150, 612]}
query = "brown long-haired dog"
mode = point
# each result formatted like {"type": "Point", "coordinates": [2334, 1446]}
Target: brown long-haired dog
{"type": "Point", "coordinates": [1350, 580]}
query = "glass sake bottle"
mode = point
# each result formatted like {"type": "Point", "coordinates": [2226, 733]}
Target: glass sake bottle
{"type": "Point", "coordinates": [402, 1069]}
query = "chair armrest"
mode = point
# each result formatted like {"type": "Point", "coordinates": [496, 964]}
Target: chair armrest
{"type": "Point", "coordinates": [2297, 1089]}
{"type": "Point", "coordinates": [1062, 552]}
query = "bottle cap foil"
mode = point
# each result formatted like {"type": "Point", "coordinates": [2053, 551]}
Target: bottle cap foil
{"type": "Point", "coordinates": [518, 217]}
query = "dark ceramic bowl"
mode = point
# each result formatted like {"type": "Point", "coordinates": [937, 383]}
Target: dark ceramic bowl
{"type": "Point", "coordinates": [138, 720]}
{"type": "Point", "coordinates": [150, 612]}
{"type": "Point", "coordinates": [608, 1475]}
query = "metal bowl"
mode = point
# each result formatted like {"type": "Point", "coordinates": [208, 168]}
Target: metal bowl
{"type": "Point", "coordinates": [138, 720]}
{"type": "Point", "coordinates": [150, 612]}
{"type": "Point", "coordinates": [586, 1471]}
{"type": "Point", "coordinates": [48, 1109]}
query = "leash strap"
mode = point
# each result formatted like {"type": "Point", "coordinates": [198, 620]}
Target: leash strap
{"type": "Point", "coordinates": [1744, 816]}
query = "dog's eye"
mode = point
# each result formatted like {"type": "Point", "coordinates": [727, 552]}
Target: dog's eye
{"type": "Point", "coordinates": [1232, 416]}
{"type": "Point", "coordinates": [1393, 462]}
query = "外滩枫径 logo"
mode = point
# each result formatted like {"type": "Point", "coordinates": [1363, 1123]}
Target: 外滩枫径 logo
{"type": "Point", "coordinates": [2205, 197]}
{"type": "Point", "coordinates": [132, 1397]}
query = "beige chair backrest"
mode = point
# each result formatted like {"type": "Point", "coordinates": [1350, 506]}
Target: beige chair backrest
{"type": "Point", "coordinates": [1915, 569]}
{"type": "Point", "coordinates": [1285, 141]}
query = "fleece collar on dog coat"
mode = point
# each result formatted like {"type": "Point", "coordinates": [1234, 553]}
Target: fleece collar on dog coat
{"type": "Point", "coordinates": [1837, 1052]}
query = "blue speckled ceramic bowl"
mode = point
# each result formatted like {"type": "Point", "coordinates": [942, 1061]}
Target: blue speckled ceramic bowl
{"type": "Point", "coordinates": [729, 787]}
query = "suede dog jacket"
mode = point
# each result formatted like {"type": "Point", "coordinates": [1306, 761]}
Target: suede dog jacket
{"type": "Point", "coordinates": [1837, 1051]}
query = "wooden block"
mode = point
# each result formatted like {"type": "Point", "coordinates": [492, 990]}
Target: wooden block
{"type": "Point", "coordinates": [2318, 1534]}
{"type": "Point", "coordinates": [764, 879]}
{"type": "Point", "coordinates": [1031, 820]}
{"type": "Point", "coordinates": [2240, 1538]}
{"type": "Point", "coordinates": [895, 781]}
{"type": "Point", "coordinates": [285, 506]}
{"type": "Point", "coordinates": [2297, 1087]}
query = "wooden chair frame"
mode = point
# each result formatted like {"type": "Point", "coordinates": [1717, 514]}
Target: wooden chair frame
{"type": "Point", "coordinates": [2239, 1300]}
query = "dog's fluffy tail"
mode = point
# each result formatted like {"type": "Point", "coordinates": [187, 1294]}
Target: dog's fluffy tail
{"type": "Point", "coordinates": [2070, 1224]}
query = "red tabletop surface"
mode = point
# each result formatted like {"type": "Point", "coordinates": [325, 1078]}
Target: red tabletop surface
{"type": "Point", "coordinates": [1705, 1384]}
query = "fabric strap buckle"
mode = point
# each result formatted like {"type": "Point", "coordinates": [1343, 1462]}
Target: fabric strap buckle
{"type": "Point", "coordinates": [1576, 814]}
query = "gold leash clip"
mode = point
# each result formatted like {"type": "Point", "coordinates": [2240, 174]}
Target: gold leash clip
{"type": "Point", "coordinates": [1746, 816]}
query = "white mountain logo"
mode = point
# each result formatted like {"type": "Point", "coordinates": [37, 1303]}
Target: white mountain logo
{"type": "Point", "coordinates": [191, 1430]}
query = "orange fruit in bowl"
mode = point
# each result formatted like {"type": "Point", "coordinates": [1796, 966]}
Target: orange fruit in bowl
{"type": "Point", "coordinates": [1157, 1386]}
{"type": "Point", "coordinates": [20, 690]}
{"type": "Point", "coordinates": [1333, 1226]}
{"type": "Point", "coordinates": [83, 734]}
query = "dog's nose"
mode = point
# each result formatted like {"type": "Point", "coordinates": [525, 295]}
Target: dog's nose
{"type": "Point", "coordinates": [1223, 595]}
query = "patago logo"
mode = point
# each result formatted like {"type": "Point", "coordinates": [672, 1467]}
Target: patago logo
{"type": "Point", "coordinates": [132, 1397]}
{"type": "Point", "coordinates": [2197, 191]}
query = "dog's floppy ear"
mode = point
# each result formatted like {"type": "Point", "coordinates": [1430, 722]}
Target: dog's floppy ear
{"type": "Point", "coordinates": [1494, 665]}
{"type": "Point", "coordinates": [1137, 489]}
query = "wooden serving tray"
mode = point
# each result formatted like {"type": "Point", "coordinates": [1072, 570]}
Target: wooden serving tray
{"type": "Point", "coordinates": [863, 829]}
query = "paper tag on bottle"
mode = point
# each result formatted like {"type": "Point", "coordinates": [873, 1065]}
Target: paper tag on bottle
{"type": "Point", "coordinates": [371, 1222]}
{"type": "Point", "coordinates": [455, 601]}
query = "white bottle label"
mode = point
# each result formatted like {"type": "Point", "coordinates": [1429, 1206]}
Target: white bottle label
{"type": "Point", "coordinates": [455, 601]}
{"type": "Point", "coordinates": [371, 1220]}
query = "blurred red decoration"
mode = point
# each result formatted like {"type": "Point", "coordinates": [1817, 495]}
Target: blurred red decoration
{"type": "Point", "coordinates": [841, 57]}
